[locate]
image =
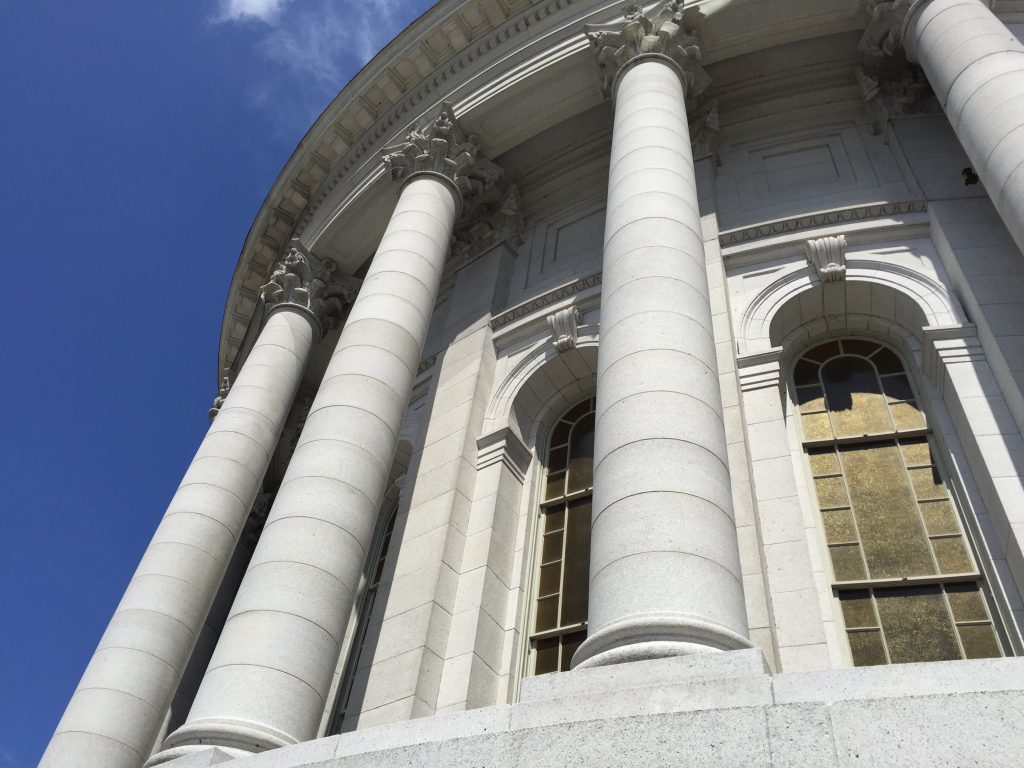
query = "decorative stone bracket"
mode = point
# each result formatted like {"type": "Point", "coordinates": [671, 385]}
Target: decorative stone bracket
{"type": "Point", "coordinates": [564, 326]}
{"type": "Point", "coordinates": [302, 280]}
{"type": "Point", "coordinates": [663, 32]}
{"type": "Point", "coordinates": [828, 257]}
{"type": "Point", "coordinates": [501, 224]}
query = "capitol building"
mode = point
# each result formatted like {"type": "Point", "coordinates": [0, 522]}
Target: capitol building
{"type": "Point", "coordinates": [611, 385]}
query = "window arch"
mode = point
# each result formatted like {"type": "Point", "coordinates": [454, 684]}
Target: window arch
{"type": "Point", "coordinates": [907, 582]}
{"type": "Point", "coordinates": [562, 575]}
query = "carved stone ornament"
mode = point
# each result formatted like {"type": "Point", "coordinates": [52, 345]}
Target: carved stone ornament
{"type": "Point", "coordinates": [564, 325]}
{"type": "Point", "coordinates": [704, 131]}
{"type": "Point", "coordinates": [302, 280]}
{"type": "Point", "coordinates": [888, 95]}
{"type": "Point", "coordinates": [222, 395]}
{"type": "Point", "coordinates": [257, 518]}
{"type": "Point", "coordinates": [883, 36]}
{"type": "Point", "coordinates": [663, 32]}
{"type": "Point", "coordinates": [441, 146]}
{"type": "Point", "coordinates": [502, 223]}
{"type": "Point", "coordinates": [828, 257]}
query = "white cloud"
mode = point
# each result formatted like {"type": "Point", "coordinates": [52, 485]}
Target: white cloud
{"type": "Point", "coordinates": [240, 10]}
{"type": "Point", "coordinates": [311, 48]}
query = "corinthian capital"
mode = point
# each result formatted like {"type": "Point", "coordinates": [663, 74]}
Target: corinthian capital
{"type": "Point", "coordinates": [883, 36]}
{"type": "Point", "coordinates": [302, 280]}
{"type": "Point", "coordinates": [440, 146]}
{"type": "Point", "coordinates": [663, 32]}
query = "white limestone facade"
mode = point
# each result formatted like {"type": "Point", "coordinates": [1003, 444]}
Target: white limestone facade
{"type": "Point", "coordinates": [589, 380]}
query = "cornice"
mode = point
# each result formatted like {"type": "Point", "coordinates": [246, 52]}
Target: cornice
{"type": "Point", "coordinates": [433, 58]}
{"type": "Point", "coordinates": [818, 220]}
{"type": "Point", "coordinates": [544, 300]}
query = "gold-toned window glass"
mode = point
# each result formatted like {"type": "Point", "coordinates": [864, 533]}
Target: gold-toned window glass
{"type": "Point", "coordinates": [374, 572]}
{"type": "Point", "coordinates": [563, 563]}
{"type": "Point", "coordinates": [905, 575]}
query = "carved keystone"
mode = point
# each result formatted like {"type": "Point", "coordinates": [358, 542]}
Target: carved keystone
{"type": "Point", "coordinates": [564, 325]}
{"type": "Point", "coordinates": [663, 32]}
{"type": "Point", "coordinates": [828, 257]}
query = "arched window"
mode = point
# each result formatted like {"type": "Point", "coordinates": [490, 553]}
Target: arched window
{"type": "Point", "coordinates": [562, 577]}
{"type": "Point", "coordinates": [904, 573]}
{"type": "Point", "coordinates": [374, 572]}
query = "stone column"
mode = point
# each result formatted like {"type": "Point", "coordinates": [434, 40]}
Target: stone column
{"type": "Point", "coordinates": [117, 710]}
{"type": "Point", "coordinates": [975, 65]}
{"type": "Point", "coordinates": [268, 680]}
{"type": "Point", "coordinates": [664, 571]}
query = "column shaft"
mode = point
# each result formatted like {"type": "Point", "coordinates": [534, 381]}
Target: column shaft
{"type": "Point", "coordinates": [664, 575]}
{"type": "Point", "coordinates": [268, 680]}
{"type": "Point", "coordinates": [976, 67]}
{"type": "Point", "coordinates": [116, 712]}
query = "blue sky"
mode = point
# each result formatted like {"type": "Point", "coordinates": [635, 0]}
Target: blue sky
{"type": "Point", "coordinates": [139, 139]}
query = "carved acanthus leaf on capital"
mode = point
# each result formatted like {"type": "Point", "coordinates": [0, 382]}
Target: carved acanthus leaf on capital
{"type": "Point", "coordinates": [638, 34]}
{"type": "Point", "coordinates": [302, 280]}
{"type": "Point", "coordinates": [441, 146]}
{"type": "Point", "coordinates": [883, 36]}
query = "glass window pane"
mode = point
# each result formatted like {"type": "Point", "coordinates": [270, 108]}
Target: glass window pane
{"type": "Point", "coordinates": [551, 550]}
{"type": "Point", "coordinates": [581, 455]}
{"type": "Point", "coordinates": [546, 656]}
{"type": "Point", "coordinates": [817, 427]}
{"type": "Point", "coordinates": [577, 411]}
{"type": "Point", "coordinates": [547, 614]}
{"type": "Point", "coordinates": [561, 434]}
{"type": "Point", "coordinates": [886, 361]}
{"type": "Point", "coordinates": [917, 625]}
{"type": "Point", "coordinates": [897, 387]}
{"type": "Point", "coordinates": [951, 555]}
{"type": "Point", "coordinates": [810, 399]}
{"type": "Point", "coordinates": [858, 609]}
{"type": "Point", "coordinates": [979, 641]}
{"type": "Point", "coordinates": [839, 526]}
{"type": "Point", "coordinates": [550, 577]}
{"type": "Point", "coordinates": [866, 648]}
{"type": "Point", "coordinates": [577, 564]}
{"type": "Point", "coordinates": [831, 492]}
{"type": "Point", "coordinates": [556, 486]}
{"type": "Point", "coordinates": [570, 643]}
{"type": "Point", "coordinates": [823, 352]}
{"type": "Point", "coordinates": [887, 518]}
{"type": "Point", "coordinates": [558, 458]}
{"type": "Point", "coordinates": [966, 602]}
{"type": "Point", "coordinates": [854, 398]}
{"type": "Point", "coordinates": [939, 517]}
{"type": "Point", "coordinates": [805, 372]}
{"type": "Point", "coordinates": [927, 483]}
{"type": "Point", "coordinates": [554, 520]}
{"type": "Point", "coordinates": [916, 452]}
{"type": "Point", "coordinates": [847, 562]}
{"type": "Point", "coordinates": [906, 416]}
{"type": "Point", "coordinates": [859, 347]}
{"type": "Point", "coordinates": [824, 461]}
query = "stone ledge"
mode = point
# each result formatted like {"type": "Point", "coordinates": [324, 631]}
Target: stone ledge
{"type": "Point", "coordinates": [711, 710]}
